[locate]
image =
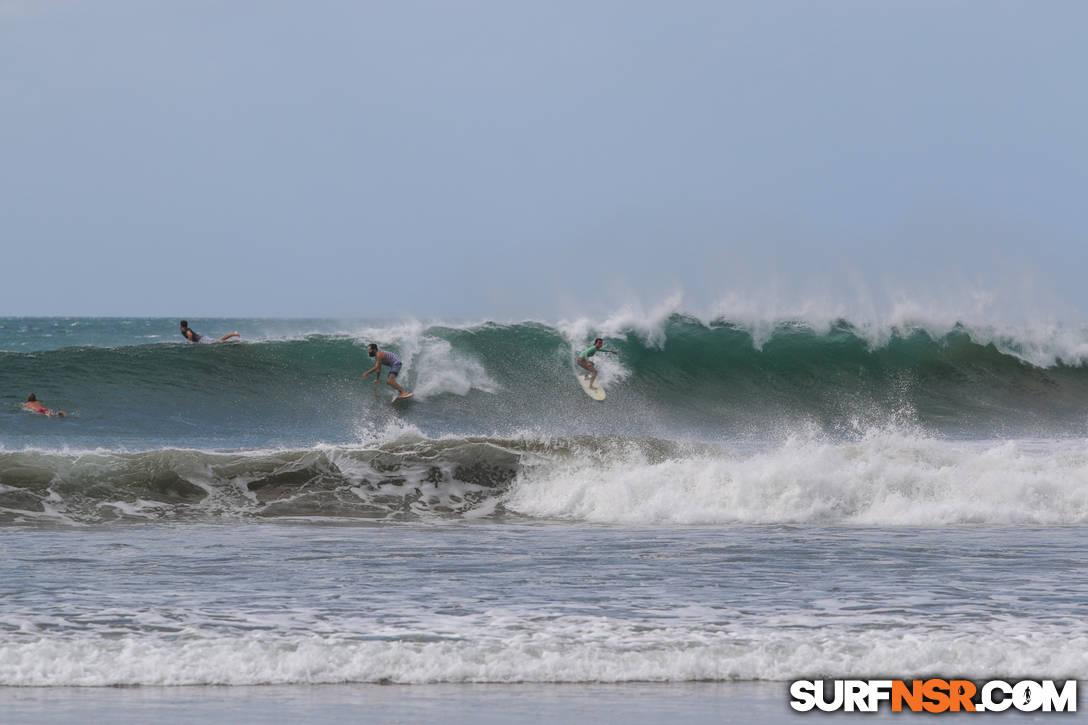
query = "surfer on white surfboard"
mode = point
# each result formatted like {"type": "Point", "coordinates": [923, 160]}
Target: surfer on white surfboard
{"type": "Point", "coordinates": [384, 357]}
{"type": "Point", "coordinates": [585, 362]}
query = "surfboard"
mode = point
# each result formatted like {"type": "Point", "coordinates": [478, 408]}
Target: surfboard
{"type": "Point", "coordinates": [47, 412]}
{"type": "Point", "coordinates": [404, 397]}
{"type": "Point", "coordinates": [596, 392]}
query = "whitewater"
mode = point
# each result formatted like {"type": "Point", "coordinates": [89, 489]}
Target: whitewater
{"type": "Point", "coordinates": [756, 501]}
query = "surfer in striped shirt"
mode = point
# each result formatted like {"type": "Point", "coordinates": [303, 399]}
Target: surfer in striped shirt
{"type": "Point", "coordinates": [384, 357]}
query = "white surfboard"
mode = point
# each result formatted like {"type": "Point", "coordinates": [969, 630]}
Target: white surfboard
{"type": "Point", "coordinates": [596, 392]}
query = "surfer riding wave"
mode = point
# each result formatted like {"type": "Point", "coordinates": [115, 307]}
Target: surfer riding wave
{"type": "Point", "coordinates": [584, 361]}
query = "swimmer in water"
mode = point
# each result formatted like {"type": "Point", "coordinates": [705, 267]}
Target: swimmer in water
{"type": "Point", "coordinates": [35, 406]}
{"type": "Point", "coordinates": [191, 335]}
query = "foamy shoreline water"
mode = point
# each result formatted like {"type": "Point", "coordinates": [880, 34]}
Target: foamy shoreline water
{"type": "Point", "coordinates": [761, 703]}
{"type": "Point", "coordinates": [311, 603]}
{"type": "Point", "coordinates": [642, 703]}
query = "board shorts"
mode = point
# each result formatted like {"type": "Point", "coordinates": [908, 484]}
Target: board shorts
{"type": "Point", "coordinates": [394, 370]}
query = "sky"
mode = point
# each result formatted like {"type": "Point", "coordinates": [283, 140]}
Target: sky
{"type": "Point", "coordinates": [507, 160]}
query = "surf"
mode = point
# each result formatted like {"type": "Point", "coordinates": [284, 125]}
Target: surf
{"type": "Point", "coordinates": [679, 377]}
{"type": "Point", "coordinates": [888, 477]}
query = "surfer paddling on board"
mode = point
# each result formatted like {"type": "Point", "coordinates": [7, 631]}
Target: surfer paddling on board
{"type": "Point", "coordinates": [384, 357]}
{"type": "Point", "coordinates": [585, 362]}
{"type": "Point", "coordinates": [35, 406]}
{"type": "Point", "coordinates": [190, 334]}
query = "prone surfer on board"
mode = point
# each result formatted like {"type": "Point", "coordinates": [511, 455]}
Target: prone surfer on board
{"type": "Point", "coordinates": [585, 362]}
{"type": "Point", "coordinates": [384, 357]}
{"type": "Point", "coordinates": [190, 334]}
{"type": "Point", "coordinates": [36, 406]}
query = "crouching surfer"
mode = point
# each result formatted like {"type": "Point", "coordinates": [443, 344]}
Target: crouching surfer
{"type": "Point", "coordinates": [384, 357]}
{"type": "Point", "coordinates": [585, 362]}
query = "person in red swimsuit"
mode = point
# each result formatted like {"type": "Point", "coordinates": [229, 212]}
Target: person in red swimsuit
{"type": "Point", "coordinates": [33, 404]}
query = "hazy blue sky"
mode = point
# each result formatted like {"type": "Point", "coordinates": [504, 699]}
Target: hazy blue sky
{"type": "Point", "coordinates": [510, 159]}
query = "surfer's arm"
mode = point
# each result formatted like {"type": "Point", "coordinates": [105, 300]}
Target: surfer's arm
{"type": "Point", "coordinates": [368, 372]}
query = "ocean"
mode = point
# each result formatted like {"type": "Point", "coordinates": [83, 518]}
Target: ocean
{"type": "Point", "coordinates": [249, 531]}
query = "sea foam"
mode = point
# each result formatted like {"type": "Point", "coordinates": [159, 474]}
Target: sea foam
{"type": "Point", "coordinates": [567, 649]}
{"type": "Point", "coordinates": [885, 478]}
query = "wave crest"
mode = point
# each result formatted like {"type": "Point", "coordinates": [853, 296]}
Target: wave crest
{"type": "Point", "coordinates": [884, 478]}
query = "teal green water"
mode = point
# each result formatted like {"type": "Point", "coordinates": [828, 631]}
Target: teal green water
{"type": "Point", "coordinates": [137, 384]}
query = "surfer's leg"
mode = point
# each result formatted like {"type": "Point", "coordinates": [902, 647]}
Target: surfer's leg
{"type": "Point", "coordinates": [391, 381]}
{"type": "Point", "coordinates": [224, 338]}
{"type": "Point", "coordinates": [588, 366]}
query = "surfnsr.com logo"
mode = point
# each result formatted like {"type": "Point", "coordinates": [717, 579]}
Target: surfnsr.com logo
{"type": "Point", "coordinates": [934, 695]}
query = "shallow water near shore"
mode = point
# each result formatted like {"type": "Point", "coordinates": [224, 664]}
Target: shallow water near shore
{"type": "Point", "coordinates": [634, 703]}
{"type": "Point", "coordinates": [299, 602]}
